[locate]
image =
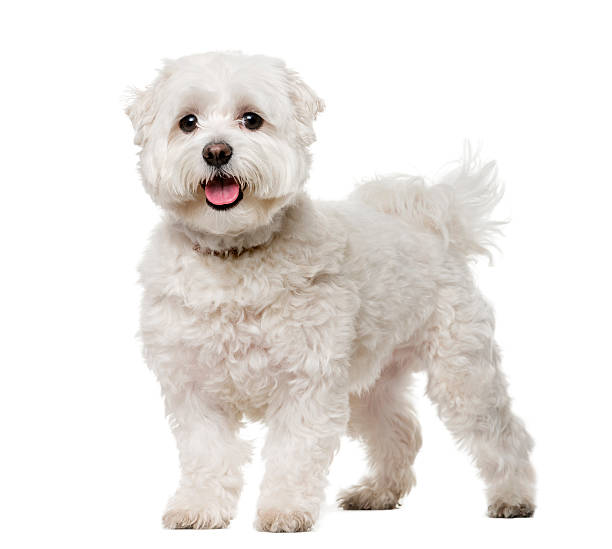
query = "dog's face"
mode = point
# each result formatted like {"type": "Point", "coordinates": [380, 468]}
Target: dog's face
{"type": "Point", "coordinates": [224, 139]}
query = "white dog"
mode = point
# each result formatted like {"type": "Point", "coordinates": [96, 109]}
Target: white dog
{"type": "Point", "coordinates": [310, 316]}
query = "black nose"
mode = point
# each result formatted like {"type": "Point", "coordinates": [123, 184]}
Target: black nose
{"type": "Point", "coordinates": [217, 154]}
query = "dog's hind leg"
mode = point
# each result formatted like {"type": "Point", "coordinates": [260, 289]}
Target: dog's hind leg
{"type": "Point", "coordinates": [470, 391]}
{"type": "Point", "coordinates": [383, 419]}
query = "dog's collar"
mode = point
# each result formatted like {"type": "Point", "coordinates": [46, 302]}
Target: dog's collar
{"type": "Point", "coordinates": [230, 252]}
{"type": "Point", "coordinates": [257, 240]}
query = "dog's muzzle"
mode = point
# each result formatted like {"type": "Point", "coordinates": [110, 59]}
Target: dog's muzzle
{"type": "Point", "coordinates": [222, 191]}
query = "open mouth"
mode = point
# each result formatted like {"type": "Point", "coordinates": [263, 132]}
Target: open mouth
{"type": "Point", "coordinates": [222, 192]}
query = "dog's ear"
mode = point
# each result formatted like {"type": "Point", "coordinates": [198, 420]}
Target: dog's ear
{"type": "Point", "coordinates": [142, 109]}
{"type": "Point", "coordinates": [143, 106]}
{"type": "Point", "coordinates": [306, 101]}
{"type": "Point", "coordinates": [307, 104]}
{"type": "Point", "coordinates": [139, 110]}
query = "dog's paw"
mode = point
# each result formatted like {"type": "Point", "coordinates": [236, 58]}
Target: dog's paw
{"type": "Point", "coordinates": [364, 497]}
{"type": "Point", "coordinates": [197, 519]}
{"type": "Point", "coordinates": [500, 509]}
{"type": "Point", "coordinates": [272, 520]}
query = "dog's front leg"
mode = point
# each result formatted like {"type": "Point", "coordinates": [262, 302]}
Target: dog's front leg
{"type": "Point", "coordinates": [305, 421]}
{"type": "Point", "coordinates": [211, 456]}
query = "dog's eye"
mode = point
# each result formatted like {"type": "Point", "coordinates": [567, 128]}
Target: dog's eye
{"type": "Point", "coordinates": [252, 121]}
{"type": "Point", "coordinates": [188, 123]}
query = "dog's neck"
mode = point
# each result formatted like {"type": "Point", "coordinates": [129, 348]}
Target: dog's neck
{"type": "Point", "coordinates": [232, 245]}
{"type": "Point", "coordinates": [228, 246]}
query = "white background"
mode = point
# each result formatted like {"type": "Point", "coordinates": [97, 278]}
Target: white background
{"type": "Point", "coordinates": [87, 458]}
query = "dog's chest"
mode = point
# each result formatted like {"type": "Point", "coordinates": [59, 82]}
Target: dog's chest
{"type": "Point", "coordinates": [239, 355]}
{"type": "Point", "coordinates": [247, 328]}
{"type": "Point", "coordinates": [242, 327]}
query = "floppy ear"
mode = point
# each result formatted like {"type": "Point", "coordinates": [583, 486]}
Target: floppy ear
{"type": "Point", "coordinates": [141, 110]}
{"type": "Point", "coordinates": [143, 106]}
{"type": "Point", "coordinates": [307, 105]}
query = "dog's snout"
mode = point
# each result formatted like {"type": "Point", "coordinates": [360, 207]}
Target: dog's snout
{"type": "Point", "coordinates": [217, 154]}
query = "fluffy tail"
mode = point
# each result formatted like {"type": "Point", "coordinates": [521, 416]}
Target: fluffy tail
{"type": "Point", "coordinates": [458, 206]}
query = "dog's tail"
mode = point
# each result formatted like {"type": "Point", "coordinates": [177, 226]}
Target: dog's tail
{"type": "Point", "coordinates": [458, 206]}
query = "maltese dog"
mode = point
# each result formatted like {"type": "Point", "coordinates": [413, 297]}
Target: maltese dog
{"type": "Point", "coordinates": [262, 304]}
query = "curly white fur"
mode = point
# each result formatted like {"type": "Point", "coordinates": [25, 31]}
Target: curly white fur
{"type": "Point", "coordinates": [318, 318]}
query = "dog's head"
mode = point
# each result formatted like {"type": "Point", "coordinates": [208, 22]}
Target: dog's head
{"type": "Point", "coordinates": [224, 139]}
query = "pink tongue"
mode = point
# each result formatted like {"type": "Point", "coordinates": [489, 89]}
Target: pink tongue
{"type": "Point", "coordinates": [222, 191]}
